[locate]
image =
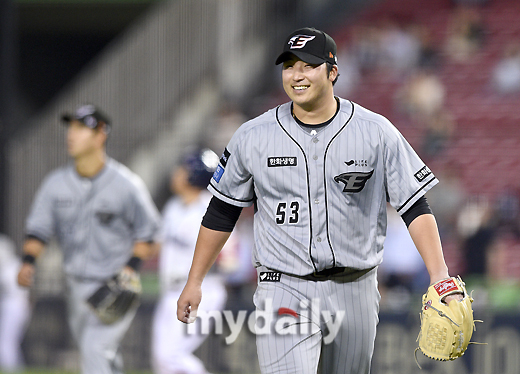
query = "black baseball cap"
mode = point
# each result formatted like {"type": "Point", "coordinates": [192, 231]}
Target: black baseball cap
{"type": "Point", "coordinates": [87, 114]}
{"type": "Point", "coordinates": [310, 45]}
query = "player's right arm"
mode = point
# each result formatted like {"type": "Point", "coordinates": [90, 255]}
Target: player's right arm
{"type": "Point", "coordinates": [40, 225]}
{"type": "Point", "coordinates": [32, 248]}
{"type": "Point", "coordinates": [209, 244]}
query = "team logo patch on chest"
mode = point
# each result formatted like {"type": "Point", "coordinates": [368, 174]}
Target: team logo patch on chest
{"type": "Point", "coordinates": [105, 217]}
{"type": "Point", "coordinates": [273, 162]}
{"type": "Point", "coordinates": [354, 182]}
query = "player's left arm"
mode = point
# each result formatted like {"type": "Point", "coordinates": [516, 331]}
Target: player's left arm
{"type": "Point", "coordinates": [145, 220]}
{"type": "Point", "coordinates": [142, 251]}
{"type": "Point", "coordinates": [425, 234]}
{"type": "Point", "coordinates": [32, 248]}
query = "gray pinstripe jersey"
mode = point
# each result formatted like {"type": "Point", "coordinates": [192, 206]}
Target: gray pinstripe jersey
{"type": "Point", "coordinates": [321, 198]}
{"type": "Point", "coordinates": [95, 221]}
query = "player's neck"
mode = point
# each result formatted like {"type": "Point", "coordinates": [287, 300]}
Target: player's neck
{"type": "Point", "coordinates": [90, 165]}
{"type": "Point", "coordinates": [318, 113]}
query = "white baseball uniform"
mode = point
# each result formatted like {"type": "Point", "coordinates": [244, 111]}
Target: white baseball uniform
{"type": "Point", "coordinates": [172, 345]}
{"type": "Point", "coordinates": [15, 310]}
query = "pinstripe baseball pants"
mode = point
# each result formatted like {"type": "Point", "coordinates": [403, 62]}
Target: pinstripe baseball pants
{"type": "Point", "coordinates": [329, 323]}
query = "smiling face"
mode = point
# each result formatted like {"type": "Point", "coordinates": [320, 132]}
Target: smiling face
{"type": "Point", "coordinates": [307, 85]}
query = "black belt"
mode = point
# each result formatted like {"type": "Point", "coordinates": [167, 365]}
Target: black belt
{"type": "Point", "coordinates": [335, 272]}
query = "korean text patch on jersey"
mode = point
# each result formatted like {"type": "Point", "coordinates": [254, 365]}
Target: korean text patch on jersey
{"type": "Point", "coordinates": [281, 161]}
{"type": "Point", "coordinates": [423, 173]}
{"type": "Point", "coordinates": [225, 157]}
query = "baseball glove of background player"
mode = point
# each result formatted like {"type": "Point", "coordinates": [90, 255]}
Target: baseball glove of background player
{"type": "Point", "coordinates": [446, 330]}
{"type": "Point", "coordinates": [113, 299]}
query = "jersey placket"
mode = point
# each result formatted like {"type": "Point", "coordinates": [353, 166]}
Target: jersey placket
{"type": "Point", "coordinates": [321, 254]}
{"type": "Point", "coordinates": [86, 203]}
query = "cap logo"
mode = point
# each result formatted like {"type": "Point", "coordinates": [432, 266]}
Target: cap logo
{"type": "Point", "coordinates": [90, 121]}
{"type": "Point", "coordinates": [85, 110]}
{"type": "Point", "coordinates": [299, 41]}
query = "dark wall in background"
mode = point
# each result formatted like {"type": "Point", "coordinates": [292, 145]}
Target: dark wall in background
{"type": "Point", "coordinates": [56, 40]}
{"type": "Point", "coordinates": [43, 46]}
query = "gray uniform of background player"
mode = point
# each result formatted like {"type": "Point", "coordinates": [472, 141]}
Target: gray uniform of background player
{"type": "Point", "coordinates": [96, 222]}
{"type": "Point", "coordinates": [321, 200]}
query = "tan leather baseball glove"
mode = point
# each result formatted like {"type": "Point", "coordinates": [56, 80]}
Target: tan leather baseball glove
{"type": "Point", "coordinates": [446, 330]}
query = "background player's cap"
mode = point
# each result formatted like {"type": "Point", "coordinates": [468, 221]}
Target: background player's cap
{"type": "Point", "coordinates": [310, 45]}
{"type": "Point", "coordinates": [200, 164]}
{"type": "Point", "coordinates": [87, 114]}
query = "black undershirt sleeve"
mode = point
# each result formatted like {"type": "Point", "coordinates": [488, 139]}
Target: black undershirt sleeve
{"type": "Point", "coordinates": [419, 208]}
{"type": "Point", "coordinates": [221, 216]}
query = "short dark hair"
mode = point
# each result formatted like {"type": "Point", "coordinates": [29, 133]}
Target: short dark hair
{"type": "Point", "coordinates": [329, 69]}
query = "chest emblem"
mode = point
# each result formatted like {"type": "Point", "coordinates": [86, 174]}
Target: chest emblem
{"type": "Point", "coordinates": [354, 182]}
{"type": "Point", "coordinates": [105, 217]}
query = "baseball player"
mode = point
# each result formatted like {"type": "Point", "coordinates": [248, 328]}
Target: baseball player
{"type": "Point", "coordinates": [320, 170]}
{"type": "Point", "coordinates": [105, 223]}
{"type": "Point", "coordinates": [14, 309]}
{"type": "Point", "coordinates": [172, 346]}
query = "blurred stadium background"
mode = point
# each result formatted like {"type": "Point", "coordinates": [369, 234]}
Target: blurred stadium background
{"type": "Point", "coordinates": [176, 73]}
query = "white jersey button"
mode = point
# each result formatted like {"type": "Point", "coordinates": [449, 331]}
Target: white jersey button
{"type": "Point", "coordinates": [316, 201]}
{"type": "Point", "coordinates": [315, 140]}
{"type": "Point", "coordinates": [315, 157]}
{"type": "Point", "coordinates": [318, 239]}
{"type": "Point", "coordinates": [86, 183]}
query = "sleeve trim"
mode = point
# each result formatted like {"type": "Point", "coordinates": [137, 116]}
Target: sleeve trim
{"type": "Point", "coordinates": [427, 184]}
{"type": "Point", "coordinates": [229, 199]}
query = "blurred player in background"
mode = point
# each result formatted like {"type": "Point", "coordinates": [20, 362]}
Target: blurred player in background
{"type": "Point", "coordinates": [14, 309]}
{"type": "Point", "coordinates": [172, 346]}
{"type": "Point", "coordinates": [105, 222]}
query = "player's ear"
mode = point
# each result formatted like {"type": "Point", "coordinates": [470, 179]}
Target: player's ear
{"type": "Point", "coordinates": [333, 73]}
{"type": "Point", "coordinates": [102, 132]}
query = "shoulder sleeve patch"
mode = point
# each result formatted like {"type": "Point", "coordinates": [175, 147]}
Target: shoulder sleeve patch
{"type": "Point", "coordinates": [225, 157]}
{"type": "Point", "coordinates": [423, 173]}
{"type": "Point", "coordinates": [218, 173]}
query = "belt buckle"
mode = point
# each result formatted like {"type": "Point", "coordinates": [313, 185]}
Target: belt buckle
{"type": "Point", "coordinates": [325, 273]}
{"type": "Point", "coordinates": [329, 272]}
